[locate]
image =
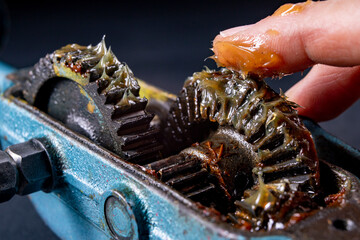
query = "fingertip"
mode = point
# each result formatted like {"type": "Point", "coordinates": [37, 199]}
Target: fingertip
{"type": "Point", "coordinates": [317, 33]}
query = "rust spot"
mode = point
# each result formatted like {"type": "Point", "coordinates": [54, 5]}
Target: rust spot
{"type": "Point", "coordinates": [336, 199]}
{"type": "Point", "coordinates": [296, 217]}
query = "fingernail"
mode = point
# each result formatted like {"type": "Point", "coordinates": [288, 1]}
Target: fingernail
{"type": "Point", "coordinates": [232, 31]}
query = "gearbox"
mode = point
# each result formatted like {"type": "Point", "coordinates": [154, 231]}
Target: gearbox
{"type": "Point", "coordinates": [226, 158]}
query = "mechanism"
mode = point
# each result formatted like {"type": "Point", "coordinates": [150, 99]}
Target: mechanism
{"type": "Point", "coordinates": [234, 150]}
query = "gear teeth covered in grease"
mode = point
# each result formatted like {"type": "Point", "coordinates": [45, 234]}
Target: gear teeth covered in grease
{"type": "Point", "coordinates": [267, 121]}
{"type": "Point", "coordinates": [116, 89]}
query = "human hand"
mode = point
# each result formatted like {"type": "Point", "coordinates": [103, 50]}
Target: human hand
{"type": "Point", "coordinates": [294, 38]}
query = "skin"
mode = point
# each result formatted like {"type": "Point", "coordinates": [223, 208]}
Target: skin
{"type": "Point", "coordinates": [325, 35]}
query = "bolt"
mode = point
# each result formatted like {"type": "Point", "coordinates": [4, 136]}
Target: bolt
{"type": "Point", "coordinates": [33, 164]}
{"type": "Point", "coordinates": [120, 217]}
{"type": "Point", "coordinates": [25, 168]}
{"type": "Point", "coordinates": [8, 177]}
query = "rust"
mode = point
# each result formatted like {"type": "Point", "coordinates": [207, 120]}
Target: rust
{"type": "Point", "coordinates": [336, 199]}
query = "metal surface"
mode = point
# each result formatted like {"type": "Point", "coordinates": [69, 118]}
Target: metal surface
{"type": "Point", "coordinates": [88, 176]}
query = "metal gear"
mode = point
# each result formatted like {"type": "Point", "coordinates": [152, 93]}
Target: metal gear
{"type": "Point", "coordinates": [258, 147]}
{"type": "Point", "coordinates": [89, 90]}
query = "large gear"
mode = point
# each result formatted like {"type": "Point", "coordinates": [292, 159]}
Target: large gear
{"type": "Point", "coordinates": [111, 114]}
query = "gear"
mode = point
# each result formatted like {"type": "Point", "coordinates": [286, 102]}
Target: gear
{"type": "Point", "coordinates": [96, 95]}
{"type": "Point", "coordinates": [261, 144]}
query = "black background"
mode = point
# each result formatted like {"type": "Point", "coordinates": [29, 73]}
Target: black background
{"type": "Point", "coordinates": [163, 42]}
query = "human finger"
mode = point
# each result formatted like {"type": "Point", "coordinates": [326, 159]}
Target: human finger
{"type": "Point", "coordinates": [326, 91]}
{"type": "Point", "coordinates": [294, 38]}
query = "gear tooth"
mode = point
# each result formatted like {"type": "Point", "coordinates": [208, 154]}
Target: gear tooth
{"type": "Point", "coordinates": [104, 75]}
{"type": "Point", "coordinates": [133, 123]}
{"type": "Point", "coordinates": [184, 118]}
{"type": "Point", "coordinates": [100, 48]}
{"type": "Point", "coordinates": [186, 176]}
{"type": "Point", "coordinates": [181, 168]}
{"type": "Point", "coordinates": [124, 78]}
{"type": "Point", "coordinates": [114, 95]}
{"type": "Point", "coordinates": [140, 140]}
{"type": "Point", "coordinates": [144, 155]}
{"type": "Point", "coordinates": [202, 193]}
{"type": "Point", "coordinates": [285, 169]}
{"type": "Point", "coordinates": [190, 104]}
{"type": "Point", "coordinates": [165, 162]}
{"type": "Point", "coordinates": [183, 182]}
{"type": "Point", "coordinates": [104, 60]}
{"type": "Point", "coordinates": [102, 81]}
{"type": "Point", "coordinates": [120, 110]}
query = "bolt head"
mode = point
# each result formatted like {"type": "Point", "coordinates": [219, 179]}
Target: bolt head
{"type": "Point", "coordinates": [120, 217]}
{"type": "Point", "coordinates": [8, 177]}
{"type": "Point", "coordinates": [32, 161]}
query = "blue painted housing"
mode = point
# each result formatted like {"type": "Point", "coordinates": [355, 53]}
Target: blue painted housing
{"type": "Point", "coordinates": [87, 175]}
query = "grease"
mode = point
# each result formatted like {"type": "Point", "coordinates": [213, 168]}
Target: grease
{"type": "Point", "coordinates": [83, 64]}
{"type": "Point", "coordinates": [90, 107]}
{"type": "Point", "coordinates": [249, 55]}
{"type": "Point", "coordinates": [272, 32]}
{"type": "Point", "coordinates": [290, 8]}
{"type": "Point", "coordinates": [253, 54]}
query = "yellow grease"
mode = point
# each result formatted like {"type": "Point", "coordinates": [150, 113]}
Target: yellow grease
{"type": "Point", "coordinates": [291, 8]}
{"type": "Point", "coordinates": [272, 32]}
{"type": "Point", "coordinates": [262, 197]}
{"type": "Point", "coordinates": [249, 55]}
{"type": "Point", "coordinates": [91, 107]}
{"type": "Point", "coordinates": [252, 54]}
{"type": "Point", "coordinates": [82, 91]}
{"type": "Point", "coordinates": [152, 92]}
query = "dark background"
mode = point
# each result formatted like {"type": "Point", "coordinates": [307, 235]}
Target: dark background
{"type": "Point", "coordinates": [162, 42]}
